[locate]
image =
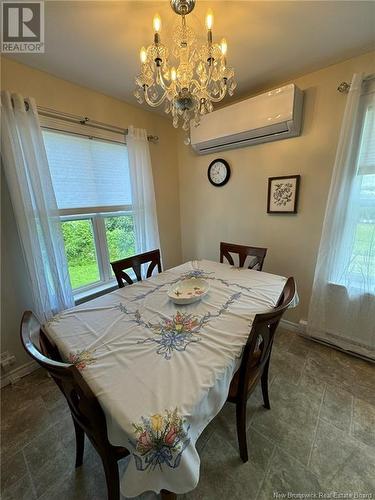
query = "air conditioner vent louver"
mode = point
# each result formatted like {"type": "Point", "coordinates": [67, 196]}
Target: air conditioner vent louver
{"type": "Point", "coordinates": [267, 117]}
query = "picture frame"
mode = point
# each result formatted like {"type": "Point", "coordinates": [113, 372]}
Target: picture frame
{"type": "Point", "coordinates": [282, 197]}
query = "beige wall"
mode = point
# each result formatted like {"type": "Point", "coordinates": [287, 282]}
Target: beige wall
{"type": "Point", "coordinates": [64, 96]}
{"type": "Point", "coordinates": [237, 211]}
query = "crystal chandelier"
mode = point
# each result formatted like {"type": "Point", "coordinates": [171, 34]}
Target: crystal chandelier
{"type": "Point", "coordinates": [189, 78]}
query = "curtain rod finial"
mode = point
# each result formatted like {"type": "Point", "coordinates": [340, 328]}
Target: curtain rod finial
{"type": "Point", "coordinates": [344, 87]}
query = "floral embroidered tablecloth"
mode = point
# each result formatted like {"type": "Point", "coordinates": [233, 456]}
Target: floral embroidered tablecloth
{"type": "Point", "coordinates": [160, 371]}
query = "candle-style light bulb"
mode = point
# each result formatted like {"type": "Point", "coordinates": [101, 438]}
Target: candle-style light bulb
{"type": "Point", "coordinates": [156, 23]}
{"type": "Point", "coordinates": [173, 74]}
{"type": "Point", "coordinates": [209, 19]}
{"type": "Point", "coordinates": [143, 55]}
{"type": "Point", "coordinates": [224, 47]}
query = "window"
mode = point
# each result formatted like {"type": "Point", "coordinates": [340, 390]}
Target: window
{"type": "Point", "coordinates": [363, 254]}
{"type": "Point", "coordinates": [358, 242]}
{"type": "Point", "coordinates": [92, 187]}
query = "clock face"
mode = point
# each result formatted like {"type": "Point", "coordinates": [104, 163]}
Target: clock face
{"type": "Point", "coordinates": [218, 172]}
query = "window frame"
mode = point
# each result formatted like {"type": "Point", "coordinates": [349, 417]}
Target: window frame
{"type": "Point", "coordinates": [97, 215]}
{"type": "Point", "coordinates": [101, 244]}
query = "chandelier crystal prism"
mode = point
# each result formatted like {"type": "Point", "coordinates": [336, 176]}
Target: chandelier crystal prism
{"type": "Point", "coordinates": [190, 77]}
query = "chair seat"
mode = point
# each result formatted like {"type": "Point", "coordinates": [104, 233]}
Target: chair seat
{"type": "Point", "coordinates": [253, 379]}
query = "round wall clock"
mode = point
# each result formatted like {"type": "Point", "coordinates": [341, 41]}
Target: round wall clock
{"type": "Point", "coordinates": [218, 172]}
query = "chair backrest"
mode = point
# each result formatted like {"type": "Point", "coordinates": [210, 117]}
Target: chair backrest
{"type": "Point", "coordinates": [243, 251]}
{"type": "Point", "coordinates": [82, 402]}
{"type": "Point", "coordinates": [259, 343]}
{"type": "Point", "coordinates": [135, 263]}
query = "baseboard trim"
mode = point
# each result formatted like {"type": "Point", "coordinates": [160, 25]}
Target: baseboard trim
{"type": "Point", "coordinates": [290, 325]}
{"type": "Point", "coordinates": [300, 328]}
{"type": "Point", "coordinates": [14, 375]}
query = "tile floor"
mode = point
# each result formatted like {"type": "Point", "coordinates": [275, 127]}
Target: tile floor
{"type": "Point", "coordinates": [319, 435]}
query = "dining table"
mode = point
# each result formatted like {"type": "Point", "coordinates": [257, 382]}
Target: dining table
{"type": "Point", "coordinates": [161, 371]}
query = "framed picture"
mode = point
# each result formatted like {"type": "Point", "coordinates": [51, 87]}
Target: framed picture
{"type": "Point", "coordinates": [283, 194]}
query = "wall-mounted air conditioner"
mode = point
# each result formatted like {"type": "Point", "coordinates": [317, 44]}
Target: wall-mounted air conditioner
{"type": "Point", "coordinates": [267, 117]}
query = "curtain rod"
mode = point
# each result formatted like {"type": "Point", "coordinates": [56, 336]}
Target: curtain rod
{"type": "Point", "coordinates": [344, 87]}
{"type": "Point", "coordinates": [84, 120]}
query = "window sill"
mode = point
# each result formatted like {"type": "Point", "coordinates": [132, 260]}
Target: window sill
{"type": "Point", "coordinates": [353, 290]}
{"type": "Point", "coordinates": [337, 285]}
{"type": "Point", "coordinates": [93, 293]}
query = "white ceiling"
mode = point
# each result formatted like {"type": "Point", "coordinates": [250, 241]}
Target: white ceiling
{"type": "Point", "coordinates": [96, 44]}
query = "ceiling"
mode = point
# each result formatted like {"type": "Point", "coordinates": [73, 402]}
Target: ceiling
{"type": "Point", "coordinates": [96, 44]}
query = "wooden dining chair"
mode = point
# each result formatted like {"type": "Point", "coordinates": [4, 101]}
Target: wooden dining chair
{"type": "Point", "coordinates": [258, 255]}
{"type": "Point", "coordinates": [135, 262]}
{"type": "Point", "coordinates": [255, 362]}
{"type": "Point", "coordinates": [88, 416]}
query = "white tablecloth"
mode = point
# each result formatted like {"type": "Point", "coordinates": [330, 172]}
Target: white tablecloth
{"type": "Point", "coordinates": [161, 372]}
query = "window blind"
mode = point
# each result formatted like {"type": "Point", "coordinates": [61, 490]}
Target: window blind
{"type": "Point", "coordinates": [87, 173]}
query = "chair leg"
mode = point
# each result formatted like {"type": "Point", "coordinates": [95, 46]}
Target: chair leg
{"type": "Point", "coordinates": [112, 478]}
{"type": "Point", "coordinates": [80, 443]}
{"type": "Point", "coordinates": [241, 429]}
{"type": "Point", "coordinates": [264, 382]}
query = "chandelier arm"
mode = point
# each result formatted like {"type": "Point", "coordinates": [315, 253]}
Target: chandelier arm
{"type": "Point", "coordinates": [156, 103]}
{"type": "Point", "coordinates": [164, 85]}
{"type": "Point", "coordinates": [221, 95]}
{"type": "Point", "coordinates": [209, 76]}
{"type": "Point", "coordinates": [194, 82]}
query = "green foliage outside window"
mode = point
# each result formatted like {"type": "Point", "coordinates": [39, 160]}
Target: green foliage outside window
{"type": "Point", "coordinates": [80, 246]}
{"type": "Point", "coordinates": [120, 237]}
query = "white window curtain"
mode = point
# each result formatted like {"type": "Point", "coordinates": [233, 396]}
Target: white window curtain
{"type": "Point", "coordinates": [34, 204]}
{"type": "Point", "coordinates": [342, 307]}
{"type": "Point", "coordinates": [143, 194]}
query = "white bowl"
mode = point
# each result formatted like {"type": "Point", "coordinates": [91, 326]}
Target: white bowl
{"type": "Point", "coordinates": [188, 291]}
